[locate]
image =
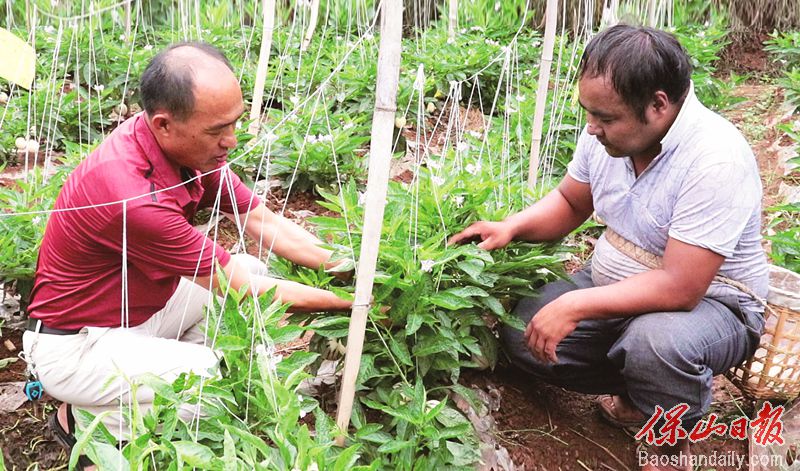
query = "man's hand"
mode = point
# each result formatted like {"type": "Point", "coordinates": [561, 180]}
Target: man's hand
{"type": "Point", "coordinates": [549, 327]}
{"type": "Point", "coordinates": [493, 235]}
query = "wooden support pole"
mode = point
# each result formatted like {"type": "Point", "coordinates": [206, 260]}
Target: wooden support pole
{"type": "Point", "coordinates": [541, 93]}
{"type": "Point", "coordinates": [377, 183]}
{"type": "Point", "coordinates": [128, 21]}
{"type": "Point", "coordinates": [652, 12]}
{"type": "Point", "coordinates": [312, 25]}
{"type": "Point", "coordinates": [453, 19]}
{"type": "Point", "coordinates": [263, 60]}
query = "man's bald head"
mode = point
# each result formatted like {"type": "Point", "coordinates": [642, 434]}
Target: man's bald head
{"type": "Point", "coordinates": [169, 80]}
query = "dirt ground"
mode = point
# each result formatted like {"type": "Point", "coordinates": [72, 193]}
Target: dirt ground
{"type": "Point", "coordinates": [542, 427]}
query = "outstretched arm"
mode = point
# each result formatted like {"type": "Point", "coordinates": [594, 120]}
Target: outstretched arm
{"type": "Point", "coordinates": [284, 237]}
{"type": "Point", "coordinates": [301, 297]}
{"type": "Point", "coordinates": [551, 218]}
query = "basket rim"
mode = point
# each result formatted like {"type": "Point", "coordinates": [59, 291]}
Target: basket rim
{"type": "Point", "coordinates": [782, 291]}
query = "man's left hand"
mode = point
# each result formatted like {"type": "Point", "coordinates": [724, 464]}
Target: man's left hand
{"type": "Point", "coordinates": [549, 327]}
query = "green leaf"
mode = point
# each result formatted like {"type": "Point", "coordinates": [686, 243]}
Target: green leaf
{"type": "Point", "coordinates": [463, 454]}
{"type": "Point", "coordinates": [106, 456]}
{"type": "Point", "coordinates": [494, 305]}
{"type": "Point", "coordinates": [229, 453]}
{"type": "Point", "coordinates": [193, 454]}
{"type": "Point", "coordinates": [394, 446]}
{"type": "Point", "coordinates": [158, 385]}
{"type": "Point", "coordinates": [449, 301]}
{"type": "Point", "coordinates": [413, 322]}
{"type": "Point", "coordinates": [472, 267]}
{"type": "Point", "coordinates": [397, 344]}
{"type": "Point", "coordinates": [346, 459]}
{"type": "Point", "coordinates": [431, 345]}
{"type": "Point", "coordinates": [468, 291]}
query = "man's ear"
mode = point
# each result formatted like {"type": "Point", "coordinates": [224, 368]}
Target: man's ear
{"type": "Point", "coordinates": [162, 123]}
{"type": "Point", "coordinates": [660, 103]}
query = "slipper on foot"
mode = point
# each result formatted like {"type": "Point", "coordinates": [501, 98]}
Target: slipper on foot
{"type": "Point", "coordinates": [67, 437]}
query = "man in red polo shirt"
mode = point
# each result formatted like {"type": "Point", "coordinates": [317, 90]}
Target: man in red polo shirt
{"type": "Point", "coordinates": [122, 275]}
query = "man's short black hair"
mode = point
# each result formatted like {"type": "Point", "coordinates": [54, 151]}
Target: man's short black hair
{"type": "Point", "coordinates": [167, 83]}
{"type": "Point", "coordinates": [639, 61]}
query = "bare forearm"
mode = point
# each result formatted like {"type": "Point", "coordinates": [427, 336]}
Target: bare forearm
{"type": "Point", "coordinates": [303, 298]}
{"type": "Point", "coordinates": [549, 219]}
{"type": "Point", "coordinates": [651, 291]}
{"type": "Point", "coordinates": [286, 239]}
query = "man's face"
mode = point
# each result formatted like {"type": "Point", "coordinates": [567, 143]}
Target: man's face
{"type": "Point", "coordinates": [202, 141]}
{"type": "Point", "coordinates": [615, 125]}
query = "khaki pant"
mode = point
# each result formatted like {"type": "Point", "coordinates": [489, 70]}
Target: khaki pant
{"type": "Point", "coordinates": [89, 369]}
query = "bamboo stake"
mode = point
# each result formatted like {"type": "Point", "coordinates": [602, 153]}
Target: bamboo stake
{"type": "Point", "coordinates": [541, 93]}
{"type": "Point", "coordinates": [651, 13]}
{"type": "Point", "coordinates": [312, 25]}
{"type": "Point", "coordinates": [377, 182]}
{"type": "Point", "coordinates": [128, 21]}
{"type": "Point", "coordinates": [263, 60]}
{"type": "Point", "coordinates": [453, 23]}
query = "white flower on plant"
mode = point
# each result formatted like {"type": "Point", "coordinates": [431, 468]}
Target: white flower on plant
{"type": "Point", "coordinates": [426, 265]}
{"type": "Point", "coordinates": [497, 6]}
{"type": "Point", "coordinates": [462, 146]}
{"type": "Point", "coordinates": [99, 88]}
{"type": "Point", "coordinates": [521, 98]}
{"type": "Point", "coordinates": [437, 180]}
{"type": "Point", "coordinates": [527, 72]}
{"type": "Point", "coordinates": [348, 126]}
{"type": "Point", "coordinates": [268, 354]}
{"type": "Point", "coordinates": [283, 57]}
{"type": "Point", "coordinates": [148, 47]}
{"type": "Point", "coordinates": [362, 198]}
{"type": "Point", "coordinates": [36, 219]}
{"type": "Point", "coordinates": [431, 404]}
{"type": "Point", "coordinates": [434, 164]}
{"type": "Point", "coordinates": [294, 99]}
{"type": "Point", "coordinates": [476, 28]}
{"type": "Point", "coordinates": [459, 200]}
{"type": "Point", "coordinates": [451, 41]}
{"type": "Point", "coordinates": [504, 49]}
{"type": "Point", "coordinates": [311, 139]}
{"type": "Point", "coordinates": [324, 138]}
{"type": "Point", "coordinates": [271, 137]}
{"type": "Point", "coordinates": [313, 467]}
{"type": "Point", "coordinates": [475, 134]}
{"type": "Point", "coordinates": [491, 42]}
{"type": "Point", "coordinates": [369, 36]}
{"type": "Point", "coordinates": [473, 169]}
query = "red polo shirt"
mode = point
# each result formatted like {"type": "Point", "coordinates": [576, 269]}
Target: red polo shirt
{"type": "Point", "coordinates": [79, 273]}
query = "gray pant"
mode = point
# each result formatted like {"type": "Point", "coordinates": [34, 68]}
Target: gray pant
{"type": "Point", "coordinates": [659, 358]}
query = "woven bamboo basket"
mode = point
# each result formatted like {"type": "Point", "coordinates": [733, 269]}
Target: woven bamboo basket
{"type": "Point", "coordinates": [774, 370]}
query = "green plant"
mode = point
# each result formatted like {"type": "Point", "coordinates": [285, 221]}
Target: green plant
{"type": "Point", "coordinates": [786, 240]}
{"type": "Point", "coordinates": [253, 415]}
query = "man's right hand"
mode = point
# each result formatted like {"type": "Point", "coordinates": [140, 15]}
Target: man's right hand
{"type": "Point", "coordinates": [493, 235]}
